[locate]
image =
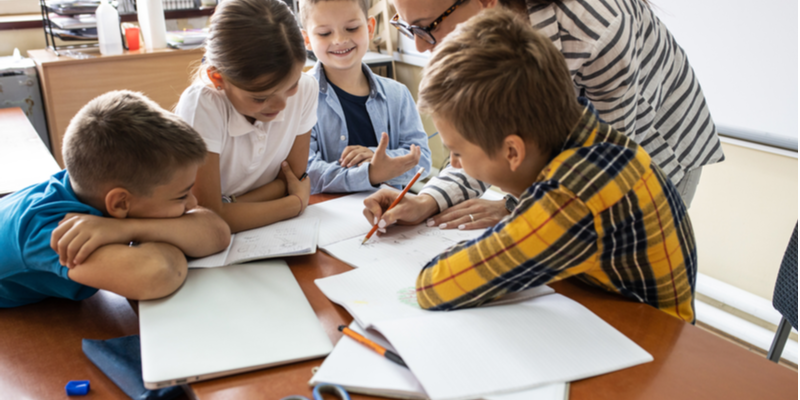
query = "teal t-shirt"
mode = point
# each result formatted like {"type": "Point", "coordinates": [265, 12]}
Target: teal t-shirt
{"type": "Point", "coordinates": [29, 268]}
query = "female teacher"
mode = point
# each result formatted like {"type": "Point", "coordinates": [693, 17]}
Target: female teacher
{"type": "Point", "coordinates": [622, 59]}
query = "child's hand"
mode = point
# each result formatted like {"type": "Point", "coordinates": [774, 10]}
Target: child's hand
{"type": "Point", "coordinates": [383, 168]}
{"type": "Point", "coordinates": [294, 186]}
{"type": "Point", "coordinates": [355, 155]}
{"type": "Point", "coordinates": [79, 235]}
{"type": "Point", "coordinates": [411, 210]}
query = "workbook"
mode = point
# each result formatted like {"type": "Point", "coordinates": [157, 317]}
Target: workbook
{"type": "Point", "coordinates": [360, 369]}
{"type": "Point", "coordinates": [286, 238]}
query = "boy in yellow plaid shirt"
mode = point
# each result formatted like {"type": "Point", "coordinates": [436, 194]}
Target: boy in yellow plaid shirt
{"type": "Point", "coordinates": [592, 204]}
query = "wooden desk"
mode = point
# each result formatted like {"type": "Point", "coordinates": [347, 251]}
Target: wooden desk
{"type": "Point", "coordinates": [24, 158]}
{"type": "Point", "coordinates": [68, 83]}
{"type": "Point", "coordinates": [40, 350]}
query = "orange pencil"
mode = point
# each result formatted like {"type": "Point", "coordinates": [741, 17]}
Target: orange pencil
{"type": "Point", "coordinates": [372, 345]}
{"type": "Point", "coordinates": [394, 203]}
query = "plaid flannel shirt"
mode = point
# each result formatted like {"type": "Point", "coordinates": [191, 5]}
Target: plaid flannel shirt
{"type": "Point", "coordinates": [602, 211]}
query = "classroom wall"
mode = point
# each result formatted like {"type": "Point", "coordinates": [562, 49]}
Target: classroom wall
{"type": "Point", "coordinates": [24, 39]}
{"type": "Point", "coordinates": [743, 215]}
{"type": "Point", "coordinates": [410, 75]}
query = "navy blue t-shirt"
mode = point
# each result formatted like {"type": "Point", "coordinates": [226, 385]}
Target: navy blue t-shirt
{"type": "Point", "coordinates": [359, 126]}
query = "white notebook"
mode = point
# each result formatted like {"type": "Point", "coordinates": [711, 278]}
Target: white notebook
{"type": "Point", "coordinates": [225, 321]}
{"type": "Point", "coordinates": [361, 370]}
{"type": "Point", "coordinates": [293, 237]}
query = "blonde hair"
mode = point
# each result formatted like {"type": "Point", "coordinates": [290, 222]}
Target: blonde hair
{"type": "Point", "coordinates": [124, 139]}
{"type": "Point", "coordinates": [253, 39]}
{"type": "Point", "coordinates": [307, 5]}
{"type": "Point", "coordinates": [495, 76]}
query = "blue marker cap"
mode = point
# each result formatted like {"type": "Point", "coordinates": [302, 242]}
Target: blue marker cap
{"type": "Point", "coordinates": [77, 388]}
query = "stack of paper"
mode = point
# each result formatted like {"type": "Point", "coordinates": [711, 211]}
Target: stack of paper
{"type": "Point", "coordinates": [537, 340]}
{"type": "Point", "coordinates": [281, 239]}
{"type": "Point", "coordinates": [361, 370]}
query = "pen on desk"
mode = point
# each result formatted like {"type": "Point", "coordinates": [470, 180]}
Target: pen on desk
{"type": "Point", "coordinates": [394, 203]}
{"type": "Point", "coordinates": [304, 176]}
{"type": "Point", "coordinates": [372, 345]}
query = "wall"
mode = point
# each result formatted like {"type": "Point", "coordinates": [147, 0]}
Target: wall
{"type": "Point", "coordinates": [410, 76]}
{"type": "Point", "coordinates": [24, 39]}
{"type": "Point", "coordinates": [743, 215]}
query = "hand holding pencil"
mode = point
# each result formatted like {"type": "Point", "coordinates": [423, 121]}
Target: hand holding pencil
{"type": "Point", "coordinates": [394, 203]}
{"type": "Point", "coordinates": [388, 206]}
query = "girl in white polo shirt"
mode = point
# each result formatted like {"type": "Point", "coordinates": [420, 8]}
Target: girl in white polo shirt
{"type": "Point", "coordinates": [254, 108]}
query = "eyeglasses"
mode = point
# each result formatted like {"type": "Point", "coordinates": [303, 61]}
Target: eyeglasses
{"type": "Point", "coordinates": [423, 32]}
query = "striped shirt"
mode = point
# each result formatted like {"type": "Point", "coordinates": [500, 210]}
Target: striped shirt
{"type": "Point", "coordinates": [625, 61]}
{"type": "Point", "coordinates": [601, 211]}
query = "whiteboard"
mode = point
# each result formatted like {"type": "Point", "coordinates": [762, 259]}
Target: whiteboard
{"type": "Point", "coordinates": [745, 56]}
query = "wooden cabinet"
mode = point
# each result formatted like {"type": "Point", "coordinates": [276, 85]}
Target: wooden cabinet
{"type": "Point", "coordinates": [69, 83]}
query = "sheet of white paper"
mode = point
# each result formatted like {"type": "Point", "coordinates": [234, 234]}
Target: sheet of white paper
{"type": "Point", "coordinates": [339, 219]}
{"type": "Point", "coordinates": [401, 245]}
{"type": "Point", "coordinates": [385, 292]}
{"type": "Point", "coordinates": [285, 238]}
{"type": "Point", "coordinates": [360, 369]}
{"type": "Point", "coordinates": [540, 341]}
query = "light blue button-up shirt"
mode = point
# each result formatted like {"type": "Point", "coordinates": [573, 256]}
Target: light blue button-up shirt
{"type": "Point", "coordinates": [391, 109]}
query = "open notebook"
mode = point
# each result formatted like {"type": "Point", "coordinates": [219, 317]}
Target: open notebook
{"type": "Point", "coordinates": [287, 238]}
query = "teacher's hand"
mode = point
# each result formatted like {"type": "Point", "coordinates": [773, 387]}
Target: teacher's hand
{"type": "Point", "coordinates": [485, 213]}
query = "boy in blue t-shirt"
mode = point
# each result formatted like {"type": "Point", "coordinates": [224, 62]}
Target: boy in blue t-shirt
{"type": "Point", "coordinates": [368, 129]}
{"type": "Point", "coordinates": [120, 217]}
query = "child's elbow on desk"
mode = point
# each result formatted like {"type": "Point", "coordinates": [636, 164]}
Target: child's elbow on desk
{"type": "Point", "coordinates": [163, 272]}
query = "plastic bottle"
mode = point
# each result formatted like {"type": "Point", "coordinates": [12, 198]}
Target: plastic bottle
{"type": "Point", "coordinates": [108, 33]}
{"type": "Point", "coordinates": [151, 20]}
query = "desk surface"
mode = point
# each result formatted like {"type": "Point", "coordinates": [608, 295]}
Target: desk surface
{"type": "Point", "coordinates": [24, 158]}
{"type": "Point", "coordinates": [40, 350]}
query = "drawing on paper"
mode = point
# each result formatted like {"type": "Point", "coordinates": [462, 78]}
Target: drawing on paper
{"type": "Point", "coordinates": [408, 296]}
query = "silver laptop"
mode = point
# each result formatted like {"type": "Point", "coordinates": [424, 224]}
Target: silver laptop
{"type": "Point", "coordinates": [228, 320]}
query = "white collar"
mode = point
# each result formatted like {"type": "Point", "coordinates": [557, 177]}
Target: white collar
{"type": "Point", "coordinates": [238, 125]}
